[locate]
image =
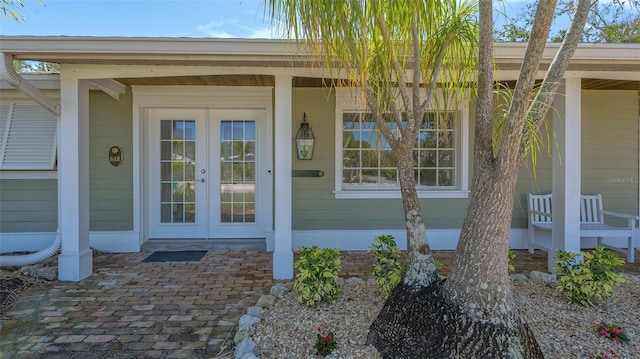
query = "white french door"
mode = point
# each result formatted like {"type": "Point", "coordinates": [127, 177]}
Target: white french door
{"type": "Point", "coordinates": [206, 176]}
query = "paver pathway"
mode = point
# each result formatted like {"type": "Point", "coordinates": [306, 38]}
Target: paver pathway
{"type": "Point", "coordinates": [133, 309]}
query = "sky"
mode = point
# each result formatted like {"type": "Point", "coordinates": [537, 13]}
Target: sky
{"type": "Point", "coordinates": [147, 18]}
{"type": "Point", "coordinates": [156, 18]}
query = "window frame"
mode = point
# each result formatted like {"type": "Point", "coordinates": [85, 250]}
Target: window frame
{"type": "Point", "coordinates": [349, 100]}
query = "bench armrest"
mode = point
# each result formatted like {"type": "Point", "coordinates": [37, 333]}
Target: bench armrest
{"type": "Point", "coordinates": [621, 215]}
{"type": "Point", "coordinates": [632, 219]}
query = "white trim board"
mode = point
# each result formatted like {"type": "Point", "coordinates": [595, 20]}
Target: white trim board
{"type": "Point", "coordinates": [359, 240]}
{"type": "Point", "coordinates": [347, 240]}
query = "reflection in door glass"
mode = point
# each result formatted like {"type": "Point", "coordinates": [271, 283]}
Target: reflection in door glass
{"type": "Point", "coordinates": [177, 171]}
{"type": "Point", "coordinates": [237, 172]}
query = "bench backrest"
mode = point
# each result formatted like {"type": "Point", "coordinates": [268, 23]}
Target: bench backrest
{"type": "Point", "coordinates": [590, 208]}
{"type": "Point", "coordinates": [539, 203]}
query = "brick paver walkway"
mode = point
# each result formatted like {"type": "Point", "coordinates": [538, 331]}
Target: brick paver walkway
{"type": "Point", "coordinates": [133, 309]}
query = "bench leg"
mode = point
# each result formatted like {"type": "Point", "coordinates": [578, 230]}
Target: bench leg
{"type": "Point", "coordinates": [530, 239]}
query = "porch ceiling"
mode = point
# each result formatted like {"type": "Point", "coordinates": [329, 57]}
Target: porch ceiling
{"type": "Point", "coordinates": [266, 80]}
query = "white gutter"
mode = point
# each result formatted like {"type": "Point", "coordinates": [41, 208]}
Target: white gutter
{"type": "Point", "coordinates": [11, 76]}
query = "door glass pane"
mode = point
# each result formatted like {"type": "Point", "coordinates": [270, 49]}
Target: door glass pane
{"type": "Point", "coordinates": [237, 171]}
{"type": "Point", "coordinates": [177, 171]}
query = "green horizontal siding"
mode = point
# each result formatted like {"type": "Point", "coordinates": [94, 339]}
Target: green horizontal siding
{"type": "Point", "coordinates": [609, 166]}
{"type": "Point", "coordinates": [314, 203]}
{"type": "Point", "coordinates": [610, 149]}
{"type": "Point", "coordinates": [609, 155]}
{"type": "Point", "coordinates": [28, 205]}
{"type": "Point", "coordinates": [111, 188]}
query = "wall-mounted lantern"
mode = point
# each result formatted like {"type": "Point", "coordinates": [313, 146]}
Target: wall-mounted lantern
{"type": "Point", "coordinates": [305, 140]}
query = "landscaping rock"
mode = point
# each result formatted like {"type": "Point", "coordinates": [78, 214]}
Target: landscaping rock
{"type": "Point", "coordinates": [631, 278]}
{"type": "Point", "coordinates": [39, 270]}
{"type": "Point", "coordinates": [278, 290]}
{"type": "Point", "coordinates": [243, 333]}
{"type": "Point", "coordinates": [355, 280]}
{"type": "Point", "coordinates": [518, 277]}
{"type": "Point", "coordinates": [255, 311]}
{"type": "Point", "coordinates": [246, 346]}
{"type": "Point", "coordinates": [547, 278]}
{"type": "Point", "coordinates": [266, 301]}
{"type": "Point", "coordinates": [48, 273]}
{"type": "Point", "coordinates": [247, 321]}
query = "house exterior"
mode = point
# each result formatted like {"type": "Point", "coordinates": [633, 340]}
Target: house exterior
{"type": "Point", "coordinates": [141, 139]}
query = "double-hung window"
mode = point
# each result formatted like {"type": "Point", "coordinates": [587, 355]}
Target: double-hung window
{"type": "Point", "coordinates": [28, 137]}
{"type": "Point", "coordinates": [366, 166]}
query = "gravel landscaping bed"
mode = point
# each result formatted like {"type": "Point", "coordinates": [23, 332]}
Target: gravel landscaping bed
{"type": "Point", "coordinates": [288, 329]}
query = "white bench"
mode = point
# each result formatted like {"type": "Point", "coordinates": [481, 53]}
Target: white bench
{"type": "Point", "coordinates": [591, 222]}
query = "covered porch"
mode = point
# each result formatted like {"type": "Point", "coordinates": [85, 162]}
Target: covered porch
{"type": "Point", "coordinates": [113, 65]}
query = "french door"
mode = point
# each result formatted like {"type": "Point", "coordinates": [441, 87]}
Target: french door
{"type": "Point", "coordinates": [206, 176]}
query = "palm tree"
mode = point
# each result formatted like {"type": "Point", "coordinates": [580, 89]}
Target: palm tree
{"type": "Point", "coordinates": [397, 52]}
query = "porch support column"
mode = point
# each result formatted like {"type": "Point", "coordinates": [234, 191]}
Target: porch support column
{"type": "Point", "coordinates": [282, 254]}
{"type": "Point", "coordinates": [75, 262]}
{"type": "Point", "coordinates": [567, 116]}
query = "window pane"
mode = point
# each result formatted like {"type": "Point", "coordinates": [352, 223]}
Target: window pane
{"type": "Point", "coordinates": [351, 158]}
{"type": "Point", "coordinates": [178, 213]}
{"type": "Point", "coordinates": [189, 171]}
{"type": "Point", "coordinates": [249, 151]}
{"type": "Point", "coordinates": [225, 172]}
{"type": "Point", "coordinates": [428, 159]}
{"type": "Point", "coordinates": [445, 139]}
{"type": "Point", "coordinates": [225, 150]}
{"type": "Point", "coordinates": [370, 176]}
{"type": "Point", "coordinates": [350, 176]}
{"type": "Point", "coordinates": [249, 171]}
{"type": "Point", "coordinates": [445, 158]}
{"type": "Point", "coordinates": [445, 178]}
{"type": "Point", "coordinates": [369, 158]}
{"type": "Point", "coordinates": [427, 177]}
{"type": "Point", "coordinates": [387, 159]}
{"type": "Point", "coordinates": [189, 213]}
{"type": "Point", "coordinates": [389, 176]}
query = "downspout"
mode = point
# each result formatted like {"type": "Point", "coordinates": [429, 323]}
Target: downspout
{"type": "Point", "coordinates": [9, 74]}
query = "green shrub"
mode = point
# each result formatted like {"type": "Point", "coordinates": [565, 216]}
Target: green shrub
{"type": "Point", "coordinates": [589, 280]}
{"type": "Point", "coordinates": [388, 269]}
{"type": "Point", "coordinates": [511, 255]}
{"type": "Point", "coordinates": [317, 275]}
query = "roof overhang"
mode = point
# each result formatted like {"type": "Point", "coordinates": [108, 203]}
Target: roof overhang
{"type": "Point", "coordinates": [613, 62]}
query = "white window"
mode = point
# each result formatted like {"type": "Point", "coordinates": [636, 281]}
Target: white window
{"type": "Point", "coordinates": [28, 137]}
{"type": "Point", "coordinates": [365, 164]}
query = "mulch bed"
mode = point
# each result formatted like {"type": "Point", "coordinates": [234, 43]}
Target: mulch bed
{"type": "Point", "coordinates": [12, 284]}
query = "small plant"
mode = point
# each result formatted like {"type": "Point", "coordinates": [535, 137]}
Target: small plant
{"type": "Point", "coordinates": [613, 332]}
{"type": "Point", "coordinates": [603, 355]}
{"type": "Point", "coordinates": [317, 275]}
{"type": "Point", "coordinates": [589, 280]}
{"type": "Point", "coordinates": [388, 269]}
{"type": "Point", "coordinates": [325, 343]}
{"type": "Point", "coordinates": [511, 255]}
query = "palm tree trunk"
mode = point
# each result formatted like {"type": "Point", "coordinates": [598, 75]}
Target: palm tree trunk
{"type": "Point", "coordinates": [421, 268]}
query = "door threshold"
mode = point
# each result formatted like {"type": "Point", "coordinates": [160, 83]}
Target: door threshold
{"type": "Point", "coordinates": [214, 245]}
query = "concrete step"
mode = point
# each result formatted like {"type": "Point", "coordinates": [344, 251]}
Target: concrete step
{"type": "Point", "coordinates": [215, 245]}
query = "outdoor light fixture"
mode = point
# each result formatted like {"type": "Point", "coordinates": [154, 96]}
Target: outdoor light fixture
{"type": "Point", "coordinates": [305, 140]}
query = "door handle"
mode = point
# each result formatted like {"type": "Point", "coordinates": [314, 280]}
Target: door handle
{"type": "Point", "coordinates": [203, 180]}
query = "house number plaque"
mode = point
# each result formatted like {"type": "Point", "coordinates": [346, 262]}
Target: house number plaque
{"type": "Point", "coordinates": [115, 156]}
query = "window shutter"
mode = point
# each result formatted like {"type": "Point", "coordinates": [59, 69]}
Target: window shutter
{"type": "Point", "coordinates": [29, 138]}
